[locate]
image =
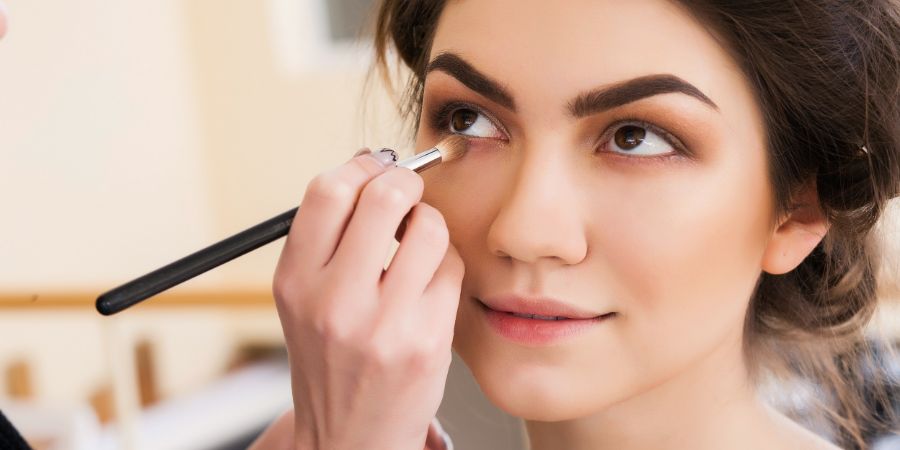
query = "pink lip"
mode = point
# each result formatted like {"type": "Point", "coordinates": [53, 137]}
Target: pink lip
{"type": "Point", "coordinates": [537, 305]}
{"type": "Point", "coordinates": [538, 332]}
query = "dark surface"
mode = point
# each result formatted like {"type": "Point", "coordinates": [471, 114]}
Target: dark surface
{"type": "Point", "coordinates": [195, 264]}
{"type": "Point", "coordinates": [10, 439]}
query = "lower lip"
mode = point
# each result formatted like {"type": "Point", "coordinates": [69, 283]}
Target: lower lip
{"type": "Point", "coordinates": [537, 332]}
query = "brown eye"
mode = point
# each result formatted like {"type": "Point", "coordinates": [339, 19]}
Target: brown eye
{"type": "Point", "coordinates": [462, 119]}
{"type": "Point", "coordinates": [629, 136]}
{"type": "Point", "coordinates": [640, 139]}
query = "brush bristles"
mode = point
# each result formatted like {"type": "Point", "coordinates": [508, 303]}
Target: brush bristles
{"type": "Point", "coordinates": [452, 147]}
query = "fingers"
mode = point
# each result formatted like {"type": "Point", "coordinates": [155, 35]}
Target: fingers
{"type": "Point", "coordinates": [443, 292]}
{"type": "Point", "coordinates": [370, 233]}
{"type": "Point", "coordinates": [421, 251]}
{"type": "Point", "coordinates": [341, 324]}
{"type": "Point", "coordinates": [327, 206]}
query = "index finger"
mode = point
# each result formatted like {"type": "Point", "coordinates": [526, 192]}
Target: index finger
{"type": "Point", "coordinates": [326, 208]}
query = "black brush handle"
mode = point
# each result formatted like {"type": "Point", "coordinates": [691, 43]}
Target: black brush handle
{"type": "Point", "coordinates": [194, 264]}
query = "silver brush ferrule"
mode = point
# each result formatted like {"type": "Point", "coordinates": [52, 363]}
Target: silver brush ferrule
{"type": "Point", "coordinates": [422, 161]}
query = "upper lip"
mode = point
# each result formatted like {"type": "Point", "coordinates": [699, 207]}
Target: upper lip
{"type": "Point", "coordinates": [543, 306]}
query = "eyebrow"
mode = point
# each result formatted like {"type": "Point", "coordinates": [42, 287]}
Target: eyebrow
{"type": "Point", "coordinates": [621, 93]}
{"type": "Point", "coordinates": [591, 102]}
{"type": "Point", "coordinates": [453, 65]}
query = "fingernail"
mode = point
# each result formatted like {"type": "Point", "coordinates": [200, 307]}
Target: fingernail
{"type": "Point", "coordinates": [361, 151]}
{"type": "Point", "coordinates": [385, 156]}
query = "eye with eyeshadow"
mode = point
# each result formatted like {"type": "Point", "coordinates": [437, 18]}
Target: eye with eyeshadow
{"type": "Point", "coordinates": [635, 139]}
{"type": "Point", "coordinates": [465, 120]}
{"type": "Point", "coordinates": [641, 140]}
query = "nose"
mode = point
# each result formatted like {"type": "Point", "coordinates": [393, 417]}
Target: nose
{"type": "Point", "coordinates": [539, 215]}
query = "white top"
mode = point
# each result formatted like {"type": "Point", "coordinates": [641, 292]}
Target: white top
{"type": "Point", "coordinates": [438, 430]}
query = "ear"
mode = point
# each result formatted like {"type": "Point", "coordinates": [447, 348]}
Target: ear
{"type": "Point", "coordinates": [797, 233]}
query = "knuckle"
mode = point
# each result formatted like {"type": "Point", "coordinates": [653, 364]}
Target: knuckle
{"type": "Point", "coordinates": [382, 354]}
{"type": "Point", "coordinates": [282, 288]}
{"type": "Point", "coordinates": [394, 351]}
{"type": "Point", "coordinates": [331, 329]}
{"type": "Point", "coordinates": [286, 289]}
{"type": "Point", "coordinates": [368, 165]}
{"type": "Point", "coordinates": [397, 358]}
{"type": "Point", "coordinates": [434, 233]}
{"type": "Point", "coordinates": [421, 358]}
{"type": "Point", "coordinates": [414, 182]}
{"type": "Point", "coordinates": [330, 187]}
{"type": "Point", "coordinates": [412, 362]}
{"type": "Point", "coordinates": [386, 195]}
{"type": "Point", "coordinates": [417, 364]}
{"type": "Point", "coordinates": [432, 226]}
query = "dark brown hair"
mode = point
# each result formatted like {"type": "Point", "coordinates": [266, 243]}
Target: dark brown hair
{"type": "Point", "coordinates": [826, 74]}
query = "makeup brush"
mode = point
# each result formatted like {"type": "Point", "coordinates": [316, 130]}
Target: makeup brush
{"type": "Point", "coordinates": [248, 240]}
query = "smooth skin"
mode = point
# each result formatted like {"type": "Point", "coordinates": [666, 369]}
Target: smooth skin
{"type": "Point", "coordinates": [545, 204]}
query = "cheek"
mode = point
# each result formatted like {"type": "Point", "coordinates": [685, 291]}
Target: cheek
{"type": "Point", "coordinates": [465, 192]}
{"type": "Point", "coordinates": [465, 199]}
{"type": "Point", "coordinates": [684, 249]}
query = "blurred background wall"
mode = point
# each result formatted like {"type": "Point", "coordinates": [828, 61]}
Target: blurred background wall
{"type": "Point", "coordinates": [133, 133]}
{"type": "Point", "coordinates": [171, 122]}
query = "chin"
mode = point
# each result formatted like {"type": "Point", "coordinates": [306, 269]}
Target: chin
{"type": "Point", "coordinates": [539, 398]}
{"type": "Point", "coordinates": [541, 392]}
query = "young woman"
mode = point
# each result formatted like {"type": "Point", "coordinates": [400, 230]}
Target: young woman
{"type": "Point", "coordinates": [690, 185]}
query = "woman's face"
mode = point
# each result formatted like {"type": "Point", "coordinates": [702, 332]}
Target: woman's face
{"type": "Point", "coordinates": [652, 201]}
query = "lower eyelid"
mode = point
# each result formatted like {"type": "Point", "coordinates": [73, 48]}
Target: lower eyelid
{"type": "Point", "coordinates": [642, 161]}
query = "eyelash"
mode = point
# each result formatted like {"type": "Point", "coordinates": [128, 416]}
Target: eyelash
{"type": "Point", "coordinates": [440, 120]}
{"type": "Point", "coordinates": [680, 150]}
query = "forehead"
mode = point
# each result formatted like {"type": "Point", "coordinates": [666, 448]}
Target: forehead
{"type": "Point", "coordinates": [550, 51]}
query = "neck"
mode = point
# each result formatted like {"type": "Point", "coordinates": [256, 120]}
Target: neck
{"type": "Point", "coordinates": [711, 405]}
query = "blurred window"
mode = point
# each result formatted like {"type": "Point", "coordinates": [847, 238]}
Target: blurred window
{"type": "Point", "coordinates": [348, 19]}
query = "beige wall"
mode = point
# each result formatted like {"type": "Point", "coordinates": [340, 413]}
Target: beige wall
{"type": "Point", "coordinates": [133, 133]}
{"type": "Point", "coordinates": [99, 142]}
{"type": "Point", "coordinates": [268, 129]}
